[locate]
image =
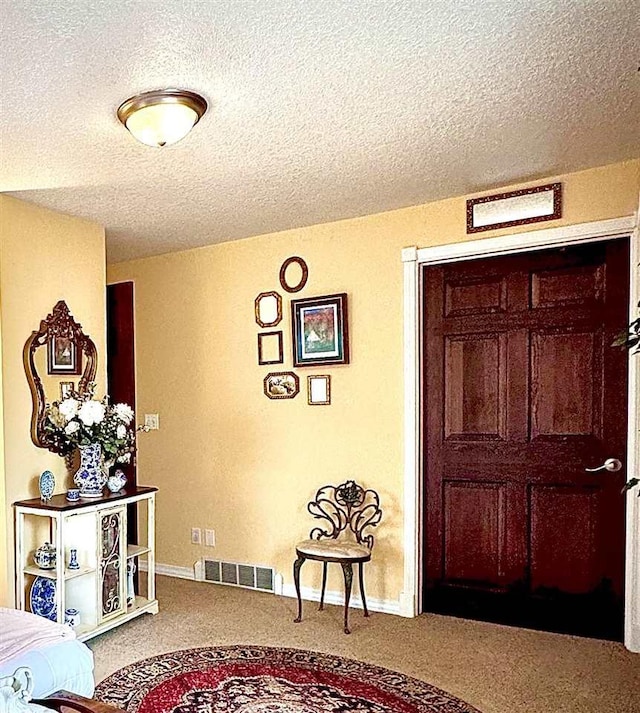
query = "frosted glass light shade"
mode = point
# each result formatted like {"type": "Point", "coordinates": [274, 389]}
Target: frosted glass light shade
{"type": "Point", "coordinates": [162, 124]}
{"type": "Point", "coordinates": [162, 118]}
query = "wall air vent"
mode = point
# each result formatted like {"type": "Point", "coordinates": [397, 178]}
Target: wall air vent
{"type": "Point", "coordinates": [240, 575]}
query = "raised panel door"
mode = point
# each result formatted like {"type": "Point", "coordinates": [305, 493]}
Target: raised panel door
{"type": "Point", "coordinates": [522, 392]}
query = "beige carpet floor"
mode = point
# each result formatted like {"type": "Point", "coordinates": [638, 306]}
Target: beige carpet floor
{"type": "Point", "coordinates": [497, 669]}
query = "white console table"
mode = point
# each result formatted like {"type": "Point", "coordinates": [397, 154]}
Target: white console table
{"type": "Point", "coordinates": [97, 529]}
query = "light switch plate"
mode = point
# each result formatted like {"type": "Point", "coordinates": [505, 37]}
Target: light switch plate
{"type": "Point", "coordinates": [152, 421]}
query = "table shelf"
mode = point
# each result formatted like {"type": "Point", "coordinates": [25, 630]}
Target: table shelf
{"type": "Point", "coordinates": [137, 550]}
{"type": "Point", "coordinates": [52, 574]}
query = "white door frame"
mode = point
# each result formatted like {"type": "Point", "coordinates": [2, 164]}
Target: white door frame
{"type": "Point", "coordinates": [413, 259]}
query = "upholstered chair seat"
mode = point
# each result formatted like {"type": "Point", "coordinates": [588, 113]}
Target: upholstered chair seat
{"type": "Point", "coordinates": [347, 510]}
{"type": "Point", "coordinates": [336, 549]}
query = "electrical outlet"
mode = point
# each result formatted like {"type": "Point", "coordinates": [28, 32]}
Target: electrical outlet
{"type": "Point", "coordinates": [210, 538]}
{"type": "Point", "coordinates": [196, 536]}
{"type": "Point", "coordinates": [152, 421]}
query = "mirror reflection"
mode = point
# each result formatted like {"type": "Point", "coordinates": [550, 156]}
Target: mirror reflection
{"type": "Point", "coordinates": [53, 355]}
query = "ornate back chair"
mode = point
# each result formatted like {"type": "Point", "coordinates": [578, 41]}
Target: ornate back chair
{"type": "Point", "coordinates": [348, 510]}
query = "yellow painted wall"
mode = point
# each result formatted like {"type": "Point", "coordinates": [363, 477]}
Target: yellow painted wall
{"type": "Point", "coordinates": [4, 553]}
{"type": "Point", "coordinates": [228, 458]}
{"type": "Point", "coordinates": [44, 257]}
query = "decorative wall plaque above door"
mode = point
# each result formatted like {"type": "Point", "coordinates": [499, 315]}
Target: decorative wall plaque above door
{"type": "Point", "coordinates": [503, 210]}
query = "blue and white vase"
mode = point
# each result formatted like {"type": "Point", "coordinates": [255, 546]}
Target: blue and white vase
{"type": "Point", "coordinates": [73, 559]}
{"type": "Point", "coordinates": [91, 475]}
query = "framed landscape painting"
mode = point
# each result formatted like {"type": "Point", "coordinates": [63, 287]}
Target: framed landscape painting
{"type": "Point", "coordinates": [320, 330]}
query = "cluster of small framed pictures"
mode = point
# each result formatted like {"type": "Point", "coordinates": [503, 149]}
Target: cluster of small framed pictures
{"type": "Point", "coordinates": [319, 336]}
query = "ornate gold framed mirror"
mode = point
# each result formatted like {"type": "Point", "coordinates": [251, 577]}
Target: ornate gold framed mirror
{"type": "Point", "coordinates": [58, 348]}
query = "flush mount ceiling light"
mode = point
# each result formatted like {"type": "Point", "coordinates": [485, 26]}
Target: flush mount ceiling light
{"type": "Point", "coordinates": [162, 117]}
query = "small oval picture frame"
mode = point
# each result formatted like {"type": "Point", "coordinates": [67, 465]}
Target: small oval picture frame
{"type": "Point", "coordinates": [294, 260]}
{"type": "Point", "coordinates": [268, 308]}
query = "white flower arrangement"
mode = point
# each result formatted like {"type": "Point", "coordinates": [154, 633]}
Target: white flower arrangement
{"type": "Point", "coordinates": [80, 420]}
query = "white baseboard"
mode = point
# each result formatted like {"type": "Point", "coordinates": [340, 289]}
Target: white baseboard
{"type": "Point", "coordinates": [170, 570]}
{"type": "Point", "coordinates": [384, 606]}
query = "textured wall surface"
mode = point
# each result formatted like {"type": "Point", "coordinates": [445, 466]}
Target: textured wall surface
{"type": "Point", "coordinates": [320, 110]}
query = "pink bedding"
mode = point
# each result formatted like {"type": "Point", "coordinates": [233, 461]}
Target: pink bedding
{"type": "Point", "coordinates": [21, 631]}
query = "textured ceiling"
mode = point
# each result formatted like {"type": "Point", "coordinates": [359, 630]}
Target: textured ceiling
{"type": "Point", "coordinates": [320, 109]}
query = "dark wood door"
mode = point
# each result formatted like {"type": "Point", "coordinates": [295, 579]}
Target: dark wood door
{"type": "Point", "coordinates": [121, 369]}
{"type": "Point", "coordinates": [522, 392]}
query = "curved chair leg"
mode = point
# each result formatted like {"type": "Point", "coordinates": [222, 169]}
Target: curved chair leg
{"type": "Point", "coordinates": [324, 585]}
{"type": "Point", "coordinates": [361, 577]}
{"type": "Point", "coordinates": [296, 578]}
{"type": "Point", "coordinates": [347, 570]}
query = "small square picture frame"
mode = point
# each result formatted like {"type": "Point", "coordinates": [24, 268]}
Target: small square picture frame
{"type": "Point", "coordinates": [66, 389]}
{"type": "Point", "coordinates": [319, 390]}
{"type": "Point", "coordinates": [270, 349]}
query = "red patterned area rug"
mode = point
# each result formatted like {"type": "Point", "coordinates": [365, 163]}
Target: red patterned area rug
{"type": "Point", "coordinates": [260, 679]}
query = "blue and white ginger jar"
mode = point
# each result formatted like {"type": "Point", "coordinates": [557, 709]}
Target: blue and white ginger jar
{"type": "Point", "coordinates": [46, 556]}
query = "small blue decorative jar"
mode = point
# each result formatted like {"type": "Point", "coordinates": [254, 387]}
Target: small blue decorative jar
{"type": "Point", "coordinates": [117, 481]}
{"type": "Point", "coordinates": [72, 617]}
{"type": "Point", "coordinates": [45, 556]}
